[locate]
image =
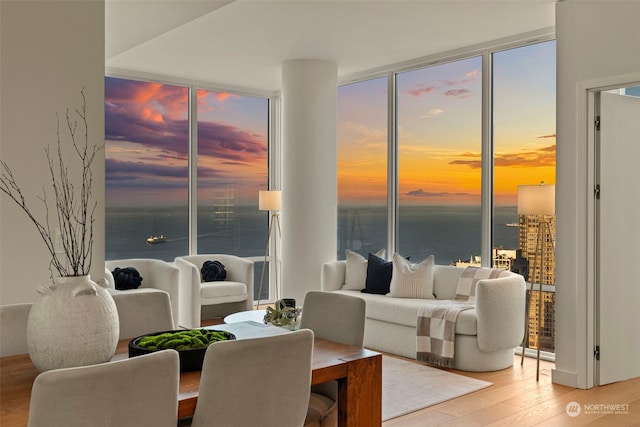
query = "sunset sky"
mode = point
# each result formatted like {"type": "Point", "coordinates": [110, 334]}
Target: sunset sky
{"type": "Point", "coordinates": [439, 134]}
{"type": "Point", "coordinates": [147, 144]}
{"type": "Point", "coordinates": [439, 131]}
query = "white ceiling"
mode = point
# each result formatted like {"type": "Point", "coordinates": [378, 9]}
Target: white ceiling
{"type": "Point", "coordinates": [243, 43]}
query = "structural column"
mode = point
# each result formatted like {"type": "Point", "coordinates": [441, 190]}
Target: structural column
{"type": "Point", "coordinates": [309, 182]}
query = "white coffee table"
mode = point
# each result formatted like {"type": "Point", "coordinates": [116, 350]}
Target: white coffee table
{"type": "Point", "coordinates": [246, 316]}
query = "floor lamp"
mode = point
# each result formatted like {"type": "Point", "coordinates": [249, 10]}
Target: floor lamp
{"type": "Point", "coordinates": [538, 200]}
{"type": "Point", "coordinates": [271, 201]}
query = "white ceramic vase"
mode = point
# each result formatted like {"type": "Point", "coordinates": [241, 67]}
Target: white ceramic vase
{"type": "Point", "coordinates": [73, 322]}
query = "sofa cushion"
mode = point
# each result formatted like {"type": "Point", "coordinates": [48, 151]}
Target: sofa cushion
{"type": "Point", "coordinates": [412, 280]}
{"type": "Point", "coordinates": [379, 273]}
{"type": "Point", "coordinates": [466, 289]}
{"type": "Point", "coordinates": [356, 271]}
{"type": "Point", "coordinates": [445, 281]}
{"type": "Point", "coordinates": [222, 289]}
{"type": "Point", "coordinates": [404, 311]}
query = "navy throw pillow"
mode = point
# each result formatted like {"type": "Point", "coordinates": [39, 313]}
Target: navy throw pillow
{"type": "Point", "coordinates": [126, 278]}
{"type": "Point", "coordinates": [379, 273]}
{"type": "Point", "coordinates": [213, 271]}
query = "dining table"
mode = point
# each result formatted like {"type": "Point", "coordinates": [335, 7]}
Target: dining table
{"type": "Point", "coordinates": [358, 372]}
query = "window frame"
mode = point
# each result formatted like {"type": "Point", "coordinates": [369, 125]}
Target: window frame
{"type": "Point", "coordinates": [273, 141]}
{"type": "Point", "coordinates": [485, 51]}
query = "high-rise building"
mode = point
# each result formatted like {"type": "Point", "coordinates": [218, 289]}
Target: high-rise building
{"type": "Point", "coordinates": [531, 250]}
{"type": "Point", "coordinates": [541, 269]}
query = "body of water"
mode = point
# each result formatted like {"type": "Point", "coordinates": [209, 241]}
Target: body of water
{"type": "Point", "coordinates": [450, 233]}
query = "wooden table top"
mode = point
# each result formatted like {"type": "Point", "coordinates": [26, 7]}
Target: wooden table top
{"type": "Point", "coordinates": [17, 374]}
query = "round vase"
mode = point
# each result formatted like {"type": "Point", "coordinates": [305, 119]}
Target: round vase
{"type": "Point", "coordinates": [73, 322]}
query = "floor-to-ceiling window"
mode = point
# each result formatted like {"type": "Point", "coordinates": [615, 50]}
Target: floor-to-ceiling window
{"type": "Point", "coordinates": [232, 168]}
{"type": "Point", "coordinates": [439, 119]}
{"type": "Point", "coordinates": [524, 145]}
{"type": "Point", "coordinates": [146, 169]}
{"type": "Point", "coordinates": [362, 167]}
{"type": "Point", "coordinates": [467, 132]}
{"type": "Point", "coordinates": [147, 141]}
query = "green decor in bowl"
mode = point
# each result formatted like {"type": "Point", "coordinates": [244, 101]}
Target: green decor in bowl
{"type": "Point", "coordinates": [191, 344]}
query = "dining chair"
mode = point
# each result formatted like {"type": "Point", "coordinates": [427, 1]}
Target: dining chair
{"type": "Point", "coordinates": [136, 392]}
{"type": "Point", "coordinates": [335, 317]}
{"type": "Point", "coordinates": [141, 313]}
{"type": "Point", "coordinates": [262, 381]}
{"type": "Point", "coordinates": [13, 329]}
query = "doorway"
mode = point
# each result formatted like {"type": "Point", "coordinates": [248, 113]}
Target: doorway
{"type": "Point", "coordinates": [617, 233]}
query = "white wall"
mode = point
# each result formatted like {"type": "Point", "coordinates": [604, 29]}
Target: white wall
{"type": "Point", "coordinates": [50, 50]}
{"type": "Point", "coordinates": [596, 40]}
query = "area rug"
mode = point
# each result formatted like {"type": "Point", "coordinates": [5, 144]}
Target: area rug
{"type": "Point", "coordinates": [409, 386]}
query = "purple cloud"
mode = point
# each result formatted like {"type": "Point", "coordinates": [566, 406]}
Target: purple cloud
{"type": "Point", "coordinates": [458, 93]}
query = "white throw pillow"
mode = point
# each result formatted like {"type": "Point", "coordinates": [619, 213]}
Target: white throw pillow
{"type": "Point", "coordinates": [356, 275]}
{"type": "Point", "coordinates": [412, 280]}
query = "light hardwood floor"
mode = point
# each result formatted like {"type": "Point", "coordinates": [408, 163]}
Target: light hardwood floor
{"type": "Point", "coordinates": [515, 398]}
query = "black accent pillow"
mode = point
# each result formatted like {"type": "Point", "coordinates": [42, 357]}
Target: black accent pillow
{"type": "Point", "coordinates": [126, 278]}
{"type": "Point", "coordinates": [379, 273]}
{"type": "Point", "coordinates": [213, 271]}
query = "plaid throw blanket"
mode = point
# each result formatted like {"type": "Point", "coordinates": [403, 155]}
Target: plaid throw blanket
{"type": "Point", "coordinates": [436, 332]}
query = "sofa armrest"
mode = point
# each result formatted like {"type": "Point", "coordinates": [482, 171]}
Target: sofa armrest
{"type": "Point", "coordinates": [240, 270]}
{"type": "Point", "coordinates": [109, 280]}
{"type": "Point", "coordinates": [333, 275]}
{"type": "Point", "coordinates": [500, 307]}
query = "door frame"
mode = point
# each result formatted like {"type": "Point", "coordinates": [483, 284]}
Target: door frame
{"type": "Point", "coordinates": [589, 96]}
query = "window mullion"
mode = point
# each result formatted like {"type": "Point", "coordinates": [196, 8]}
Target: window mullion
{"type": "Point", "coordinates": [486, 229]}
{"type": "Point", "coordinates": [392, 164]}
{"type": "Point", "coordinates": [193, 170]}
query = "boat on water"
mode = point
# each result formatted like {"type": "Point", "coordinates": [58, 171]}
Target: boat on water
{"type": "Point", "coordinates": [512, 224]}
{"type": "Point", "coordinates": [156, 239]}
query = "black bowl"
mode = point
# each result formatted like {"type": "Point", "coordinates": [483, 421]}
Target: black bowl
{"type": "Point", "coordinates": [190, 359]}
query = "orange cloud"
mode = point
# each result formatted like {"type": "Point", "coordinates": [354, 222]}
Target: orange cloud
{"type": "Point", "coordinates": [154, 116]}
{"type": "Point", "coordinates": [545, 156]}
{"type": "Point", "coordinates": [223, 96]}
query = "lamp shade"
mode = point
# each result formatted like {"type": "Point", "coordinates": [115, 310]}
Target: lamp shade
{"type": "Point", "coordinates": [536, 199]}
{"type": "Point", "coordinates": [270, 200]}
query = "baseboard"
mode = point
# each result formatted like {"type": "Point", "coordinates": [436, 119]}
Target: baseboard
{"type": "Point", "coordinates": [570, 379]}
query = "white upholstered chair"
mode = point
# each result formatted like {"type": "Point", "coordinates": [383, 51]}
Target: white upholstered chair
{"type": "Point", "coordinates": [233, 294]}
{"type": "Point", "coordinates": [256, 382]}
{"type": "Point", "coordinates": [334, 317]}
{"type": "Point", "coordinates": [135, 392]}
{"type": "Point", "coordinates": [143, 313]}
{"type": "Point", "coordinates": [155, 273]}
{"type": "Point", "coordinates": [13, 328]}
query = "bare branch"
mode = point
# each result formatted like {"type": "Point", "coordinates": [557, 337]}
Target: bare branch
{"type": "Point", "coordinates": [74, 209]}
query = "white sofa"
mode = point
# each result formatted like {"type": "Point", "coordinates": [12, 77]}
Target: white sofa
{"type": "Point", "coordinates": [486, 335]}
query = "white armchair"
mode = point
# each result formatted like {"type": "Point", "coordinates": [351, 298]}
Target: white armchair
{"type": "Point", "coordinates": [156, 274]}
{"type": "Point", "coordinates": [233, 294]}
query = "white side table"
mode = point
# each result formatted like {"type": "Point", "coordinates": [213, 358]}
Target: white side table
{"type": "Point", "coordinates": [246, 316]}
